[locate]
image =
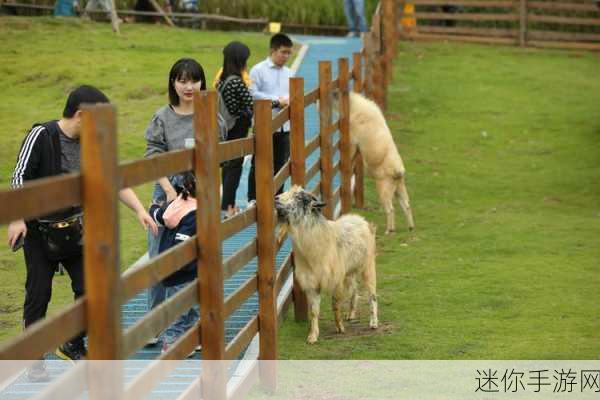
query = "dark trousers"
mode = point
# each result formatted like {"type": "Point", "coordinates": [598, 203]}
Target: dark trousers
{"type": "Point", "coordinates": [231, 171]}
{"type": "Point", "coordinates": [40, 271]}
{"type": "Point", "coordinates": [281, 153]}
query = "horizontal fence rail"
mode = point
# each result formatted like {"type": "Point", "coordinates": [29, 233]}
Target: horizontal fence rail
{"type": "Point", "coordinates": [566, 24]}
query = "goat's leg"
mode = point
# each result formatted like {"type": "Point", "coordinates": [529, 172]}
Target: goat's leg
{"type": "Point", "coordinates": [314, 305]}
{"type": "Point", "coordinates": [336, 301]}
{"type": "Point", "coordinates": [370, 281]}
{"type": "Point", "coordinates": [353, 290]}
{"type": "Point", "coordinates": [402, 195]}
{"type": "Point", "coordinates": [385, 190]}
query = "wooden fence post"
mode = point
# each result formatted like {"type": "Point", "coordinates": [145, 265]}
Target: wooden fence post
{"type": "Point", "coordinates": [344, 115]}
{"type": "Point", "coordinates": [208, 224]}
{"type": "Point", "coordinates": [325, 134]}
{"type": "Point", "coordinates": [522, 23]}
{"type": "Point", "coordinates": [359, 198]}
{"type": "Point", "coordinates": [99, 173]}
{"type": "Point", "coordinates": [389, 34]}
{"type": "Point", "coordinates": [298, 170]}
{"type": "Point", "coordinates": [357, 86]}
{"type": "Point", "coordinates": [265, 221]}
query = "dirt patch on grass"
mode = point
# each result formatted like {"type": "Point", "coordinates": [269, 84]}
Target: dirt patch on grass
{"type": "Point", "coordinates": [356, 328]}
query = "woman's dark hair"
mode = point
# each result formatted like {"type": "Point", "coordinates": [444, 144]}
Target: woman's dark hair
{"type": "Point", "coordinates": [187, 186]}
{"type": "Point", "coordinates": [235, 57]}
{"type": "Point", "coordinates": [83, 94]}
{"type": "Point", "coordinates": [185, 68]}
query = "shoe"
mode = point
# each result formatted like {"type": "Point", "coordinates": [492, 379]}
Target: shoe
{"type": "Point", "coordinates": [251, 203]}
{"type": "Point", "coordinates": [71, 352]}
{"type": "Point", "coordinates": [231, 212]}
{"type": "Point", "coordinates": [37, 372]}
{"type": "Point", "coordinates": [352, 34]}
{"type": "Point", "coordinates": [153, 341]}
{"type": "Point", "coordinates": [165, 348]}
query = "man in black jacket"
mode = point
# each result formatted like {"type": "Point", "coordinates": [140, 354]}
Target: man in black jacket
{"type": "Point", "coordinates": [52, 149]}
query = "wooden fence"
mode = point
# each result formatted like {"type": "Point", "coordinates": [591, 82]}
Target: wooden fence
{"type": "Point", "coordinates": [558, 24]}
{"type": "Point", "coordinates": [96, 187]}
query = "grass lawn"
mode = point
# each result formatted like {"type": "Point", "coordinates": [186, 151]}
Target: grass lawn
{"type": "Point", "coordinates": [502, 148]}
{"type": "Point", "coordinates": [43, 59]}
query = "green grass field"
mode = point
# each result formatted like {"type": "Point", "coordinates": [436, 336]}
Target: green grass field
{"type": "Point", "coordinates": [501, 146]}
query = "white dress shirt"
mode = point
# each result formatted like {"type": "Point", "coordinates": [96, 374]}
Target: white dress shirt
{"type": "Point", "coordinates": [270, 82]}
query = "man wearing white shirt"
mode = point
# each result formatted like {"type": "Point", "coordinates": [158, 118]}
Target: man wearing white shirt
{"type": "Point", "coordinates": [271, 81]}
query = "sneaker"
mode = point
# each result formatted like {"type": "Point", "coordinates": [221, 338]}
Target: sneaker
{"type": "Point", "coordinates": [165, 348]}
{"type": "Point", "coordinates": [71, 352]}
{"type": "Point", "coordinates": [37, 372]}
{"type": "Point", "coordinates": [153, 341]}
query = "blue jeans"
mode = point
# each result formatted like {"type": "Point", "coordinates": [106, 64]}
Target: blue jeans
{"type": "Point", "coordinates": [355, 10]}
{"type": "Point", "coordinates": [182, 324]}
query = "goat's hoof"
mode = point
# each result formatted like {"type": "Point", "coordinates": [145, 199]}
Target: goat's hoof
{"type": "Point", "coordinates": [351, 316]}
{"type": "Point", "coordinates": [340, 329]}
{"type": "Point", "coordinates": [390, 231]}
{"type": "Point", "coordinates": [373, 324]}
{"type": "Point", "coordinates": [311, 339]}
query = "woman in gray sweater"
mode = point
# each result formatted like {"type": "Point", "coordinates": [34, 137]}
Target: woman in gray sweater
{"type": "Point", "coordinates": [171, 129]}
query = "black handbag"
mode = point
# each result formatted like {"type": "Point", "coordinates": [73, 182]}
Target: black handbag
{"type": "Point", "coordinates": [62, 239]}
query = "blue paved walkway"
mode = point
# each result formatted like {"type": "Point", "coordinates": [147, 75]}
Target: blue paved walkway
{"type": "Point", "coordinates": [320, 48]}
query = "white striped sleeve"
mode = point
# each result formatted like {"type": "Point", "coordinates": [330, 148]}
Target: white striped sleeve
{"type": "Point", "coordinates": [24, 158]}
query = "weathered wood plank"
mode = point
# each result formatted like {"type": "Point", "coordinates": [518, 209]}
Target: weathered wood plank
{"type": "Point", "coordinates": [494, 32]}
{"type": "Point", "coordinates": [313, 169]}
{"type": "Point", "coordinates": [242, 220]}
{"type": "Point", "coordinates": [563, 20]}
{"type": "Point", "coordinates": [239, 259]}
{"type": "Point", "coordinates": [298, 153]}
{"type": "Point", "coordinates": [281, 176]}
{"type": "Point", "coordinates": [241, 294]}
{"type": "Point", "coordinates": [359, 191]}
{"type": "Point", "coordinates": [265, 233]}
{"type": "Point", "coordinates": [99, 174]}
{"type": "Point", "coordinates": [25, 202]}
{"type": "Point", "coordinates": [312, 145]}
{"type": "Point", "coordinates": [208, 222]}
{"type": "Point", "coordinates": [311, 97]}
{"type": "Point", "coordinates": [466, 16]}
{"type": "Point", "coordinates": [283, 273]}
{"type": "Point", "coordinates": [159, 318]}
{"type": "Point", "coordinates": [326, 149]}
{"type": "Point", "coordinates": [281, 118]}
{"type": "Point", "coordinates": [235, 148]}
{"type": "Point", "coordinates": [101, 256]}
{"type": "Point", "coordinates": [134, 173]}
{"type": "Point", "coordinates": [345, 145]}
{"type": "Point", "coordinates": [46, 334]}
{"type": "Point", "coordinates": [145, 382]}
{"type": "Point", "coordinates": [242, 339]}
{"type": "Point", "coordinates": [134, 280]}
